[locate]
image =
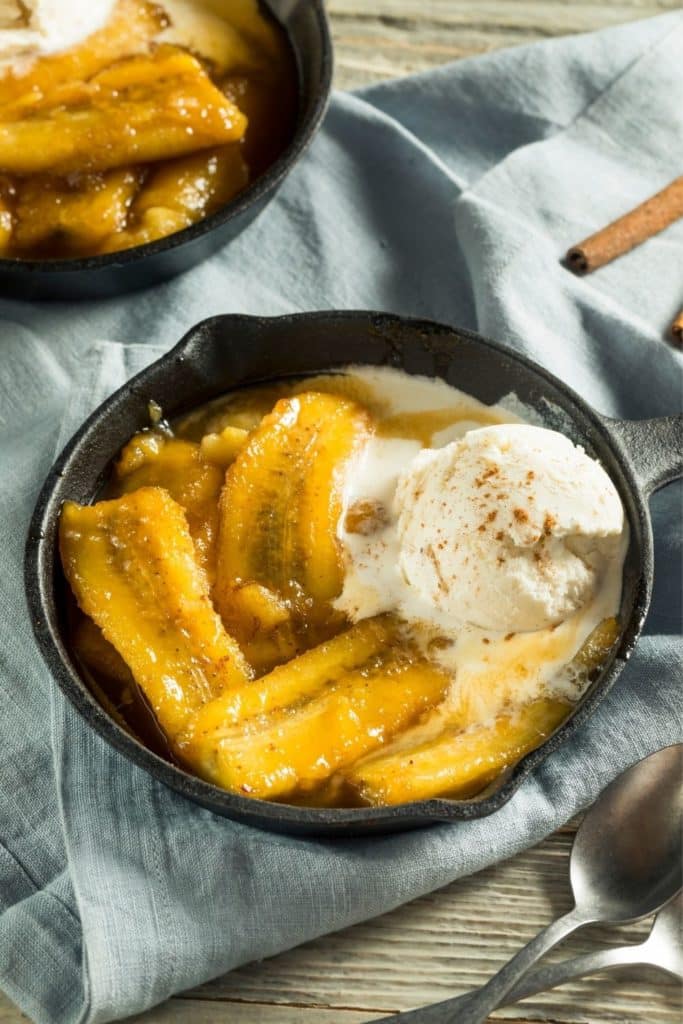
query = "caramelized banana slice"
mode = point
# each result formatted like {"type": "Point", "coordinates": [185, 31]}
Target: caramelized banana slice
{"type": "Point", "coordinates": [131, 565]}
{"type": "Point", "coordinates": [52, 79]}
{"type": "Point", "coordinates": [292, 684]}
{"type": "Point", "coordinates": [262, 621]}
{"type": "Point", "coordinates": [223, 448]}
{"type": "Point", "coordinates": [196, 185]}
{"type": "Point", "coordinates": [157, 222]}
{"type": "Point", "coordinates": [112, 683]}
{"type": "Point", "coordinates": [180, 192]}
{"type": "Point", "coordinates": [6, 221]}
{"type": "Point", "coordinates": [319, 501]}
{"type": "Point", "coordinates": [281, 504]}
{"type": "Point", "coordinates": [459, 763]}
{"type": "Point", "coordinates": [260, 608]}
{"type": "Point", "coordinates": [143, 109]}
{"type": "Point", "coordinates": [303, 744]}
{"type": "Point", "coordinates": [75, 213]}
{"type": "Point", "coordinates": [151, 459]}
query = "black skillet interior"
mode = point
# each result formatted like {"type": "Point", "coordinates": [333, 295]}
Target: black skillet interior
{"type": "Point", "coordinates": [102, 276]}
{"type": "Point", "coordinates": [229, 351]}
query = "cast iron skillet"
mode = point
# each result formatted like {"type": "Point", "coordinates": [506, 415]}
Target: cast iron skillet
{"type": "Point", "coordinates": [227, 351]}
{"type": "Point", "coordinates": [101, 276]}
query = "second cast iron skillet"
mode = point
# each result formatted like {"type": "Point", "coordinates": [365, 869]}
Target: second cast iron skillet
{"type": "Point", "coordinates": [306, 25]}
{"type": "Point", "coordinates": [229, 351]}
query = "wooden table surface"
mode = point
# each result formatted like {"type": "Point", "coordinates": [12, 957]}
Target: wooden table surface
{"type": "Point", "coordinates": [454, 939]}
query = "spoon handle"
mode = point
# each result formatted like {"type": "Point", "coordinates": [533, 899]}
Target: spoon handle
{"type": "Point", "coordinates": [474, 1007]}
{"type": "Point", "coordinates": [552, 975]}
{"type": "Point", "coordinates": [493, 993]}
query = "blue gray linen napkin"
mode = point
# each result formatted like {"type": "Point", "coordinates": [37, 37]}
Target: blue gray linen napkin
{"type": "Point", "coordinates": [450, 195]}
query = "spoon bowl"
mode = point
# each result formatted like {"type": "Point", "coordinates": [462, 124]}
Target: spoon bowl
{"type": "Point", "coordinates": [626, 858]}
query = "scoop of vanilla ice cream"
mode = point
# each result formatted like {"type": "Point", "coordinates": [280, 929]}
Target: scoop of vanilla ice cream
{"type": "Point", "coordinates": [509, 528]}
{"type": "Point", "coordinates": [36, 27]}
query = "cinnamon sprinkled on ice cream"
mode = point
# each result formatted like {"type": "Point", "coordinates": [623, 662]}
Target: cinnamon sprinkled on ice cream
{"type": "Point", "coordinates": [524, 555]}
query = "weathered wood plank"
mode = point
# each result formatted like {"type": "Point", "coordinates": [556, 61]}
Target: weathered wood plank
{"type": "Point", "coordinates": [9, 1013]}
{"type": "Point", "coordinates": [393, 37]}
{"type": "Point", "coordinates": [202, 1011]}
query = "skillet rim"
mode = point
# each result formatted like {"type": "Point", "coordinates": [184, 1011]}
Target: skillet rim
{"type": "Point", "coordinates": [288, 818]}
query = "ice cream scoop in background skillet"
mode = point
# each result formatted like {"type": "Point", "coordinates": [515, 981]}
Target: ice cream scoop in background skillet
{"type": "Point", "coordinates": [307, 29]}
{"type": "Point", "coordinates": [226, 352]}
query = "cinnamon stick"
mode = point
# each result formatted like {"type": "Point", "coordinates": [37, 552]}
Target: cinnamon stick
{"type": "Point", "coordinates": [677, 329]}
{"type": "Point", "coordinates": [628, 231]}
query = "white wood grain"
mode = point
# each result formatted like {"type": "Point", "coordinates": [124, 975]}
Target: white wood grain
{"type": "Point", "coordinates": [392, 37]}
{"type": "Point", "coordinates": [201, 1011]}
{"type": "Point", "coordinates": [9, 1013]}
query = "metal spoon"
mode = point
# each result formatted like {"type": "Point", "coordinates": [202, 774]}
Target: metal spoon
{"type": "Point", "coordinates": [663, 949]}
{"type": "Point", "coordinates": [625, 864]}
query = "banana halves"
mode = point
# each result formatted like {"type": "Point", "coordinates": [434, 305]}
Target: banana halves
{"type": "Point", "coordinates": [132, 566]}
{"type": "Point", "coordinates": [279, 512]}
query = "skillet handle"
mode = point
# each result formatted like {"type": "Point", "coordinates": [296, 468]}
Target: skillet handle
{"type": "Point", "coordinates": [654, 448]}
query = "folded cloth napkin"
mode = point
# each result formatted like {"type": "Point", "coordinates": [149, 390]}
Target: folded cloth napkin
{"type": "Point", "coordinates": [451, 195]}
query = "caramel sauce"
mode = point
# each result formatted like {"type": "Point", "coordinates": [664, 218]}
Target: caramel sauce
{"type": "Point", "coordinates": [423, 425]}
